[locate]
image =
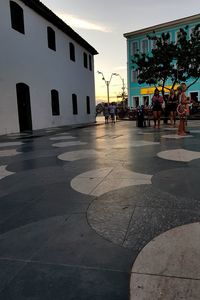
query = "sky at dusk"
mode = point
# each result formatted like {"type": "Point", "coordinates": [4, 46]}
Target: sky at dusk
{"type": "Point", "coordinates": [103, 23]}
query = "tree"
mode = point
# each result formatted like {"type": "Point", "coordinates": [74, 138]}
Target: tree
{"type": "Point", "coordinates": [194, 55]}
{"type": "Point", "coordinates": [169, 61]}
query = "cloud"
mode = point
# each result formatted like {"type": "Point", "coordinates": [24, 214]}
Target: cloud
{"type": "Point", "coordinates": [77, 22]}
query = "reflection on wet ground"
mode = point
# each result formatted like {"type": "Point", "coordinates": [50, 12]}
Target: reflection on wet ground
{"type": "Point", "coordinates": [79, 205]}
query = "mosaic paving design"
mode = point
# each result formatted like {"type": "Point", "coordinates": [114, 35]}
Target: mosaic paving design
{"type": "Point", "coordinates": [100, 181]}
{"type": "Point", "coordinates": [195, 131]}
{"type": "Point", "coordinates": [17, 135]}
{"type": "Point", "coordinates": [175, 136]}
{"type": "Point", "coordinates": [4, 172]}
{"type": "Point", "coordinates": [167, 266]}
{"type": "Point", "coordinates": [123, 144]}
{"type": "Point", "coordinates": [92, 213]}
{"type": "Point", "coordinates": [9, 152]}
{"type": "Point", "coordinates": [79, 154]}
{"type": "Point", "coordinates": [68, 144]}
{"type": "Point", "coordinates": [63, 137]}
{"type": "Point", "coordinates": [171, 129]}
{"type": "Point", "coordinates": [179, 155]}
{"type": "Point", "coordinates": [6, 144]}
{"type": "Point", "coordinates": [62, 133]}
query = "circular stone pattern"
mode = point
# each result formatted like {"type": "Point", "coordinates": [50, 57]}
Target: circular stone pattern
{"type": "Point", "coordinates": [168, 266]}
{"type": "Point", "coordinates": [179, 155]}
{"type": "Point", "coordinates": [100, 181]}
{"type": "Point", "coordinates": [132, 216]}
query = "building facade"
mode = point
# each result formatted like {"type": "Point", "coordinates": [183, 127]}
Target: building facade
{"type": "Point", "coordinates": [47, 70]}
{"type": "Point", "coordinates": [139, 94]}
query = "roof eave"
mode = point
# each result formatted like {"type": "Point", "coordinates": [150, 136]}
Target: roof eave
{"type": "Point", "coordinates": [46, 13]}
{"type": "Point", "coordinates": [159, 27]}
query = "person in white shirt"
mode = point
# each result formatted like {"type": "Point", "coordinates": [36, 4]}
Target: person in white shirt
{"type": "Point", "coordinates": [112, 110]}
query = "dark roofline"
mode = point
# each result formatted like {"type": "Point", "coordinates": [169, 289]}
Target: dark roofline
{"type": "Point", "coordinates": [46, 13]}
{"type": "Point", "coordinates": [173, 23]}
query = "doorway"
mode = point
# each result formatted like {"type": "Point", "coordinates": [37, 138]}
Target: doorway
{"type": "Point", "coordinates": [24, 107]}
{"type": "Point", "coordinates": [135, 101]}
{"type": "Point", "coordinates": [194, 96]}
{"type": "Point", "coordinates": [146, 101]}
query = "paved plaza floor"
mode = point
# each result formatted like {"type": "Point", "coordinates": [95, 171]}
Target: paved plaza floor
{"type": "Point", "coordinates": [107, 212]}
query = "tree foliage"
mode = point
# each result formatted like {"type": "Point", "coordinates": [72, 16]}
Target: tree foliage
{"type": "Point", "coordinates": [170, 61]}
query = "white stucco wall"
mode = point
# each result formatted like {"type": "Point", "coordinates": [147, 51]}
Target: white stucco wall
{"type": "Point", "coordinates": [26, 58]}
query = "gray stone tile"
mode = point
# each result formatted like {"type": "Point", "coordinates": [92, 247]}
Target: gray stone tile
{"type": "Point", "coordinates": [10, 144]}
{"type": "Point", "coordinates": [77, 244]}
{"type": "Point", "coordinates": [29, 164]}
{"type": "Point", "coordinates": [111, 220]}
{"type": "Point", "coordinates": [50, 282]}
{"type": "Point", "coordinates": [8, 270]}
{"type": "Point", "coordinates": [34, 202]}
{"type": "Point", "coordinates": [13, 203]}
{"type": "Point", "coordinates": [183, 182]}
{"type": "Point", "coordinates": [149, 163]}
{"type": "Point", "coordinates": [110, 215]}
{"type": "Point", "coordinates": [145, 196]}
{"type": "Point", "coordinates": [53, 200]}
{"type": "Point", "coordinates": [147, 223]}
{"type": "Point", "coordinates": [172, 253]}
{"type": "Point", "coordinates": [100, 181]}
{"type": "Point", "coordinates": [32, 178]}
{"type": "Point", "coordinates": [25, 241]}
{"type": "Point", "coordinates": [145, 287]}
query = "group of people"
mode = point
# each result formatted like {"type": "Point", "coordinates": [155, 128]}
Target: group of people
{"type": "Point", "coordinates": [177, 103]}
{"type": "Point", "coordinates": [110, 111]}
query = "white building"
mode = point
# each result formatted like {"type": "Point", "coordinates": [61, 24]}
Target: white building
{"type": "Point", "coordinates": [46, 70]}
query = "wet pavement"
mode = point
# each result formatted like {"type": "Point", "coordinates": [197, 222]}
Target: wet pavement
{"type": "Point", "coordinates": [107, 212]}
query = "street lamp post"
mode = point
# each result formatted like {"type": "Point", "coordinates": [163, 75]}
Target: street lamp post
{"type": "Point", "coordinates": [123, 87]}
{"type": "Point", "coordinates": [107, 82]}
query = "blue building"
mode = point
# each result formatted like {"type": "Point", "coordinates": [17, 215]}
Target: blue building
{"type": "Point", "coordinates": [137, 41]}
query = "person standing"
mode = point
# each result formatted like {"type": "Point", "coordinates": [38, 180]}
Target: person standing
{"type": "Point", "coordinates": [178, 94]}
{"type": "Point", "coordinates": [183, 110]}
{"type": "Point", "coordinates": [106, 112]}
{"type": "Point", "coordinates": [112, 110]}
{"type": "Point", "coordinates": [157, 102]}
{"type": "Point", "coordinates": [172, 106]}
